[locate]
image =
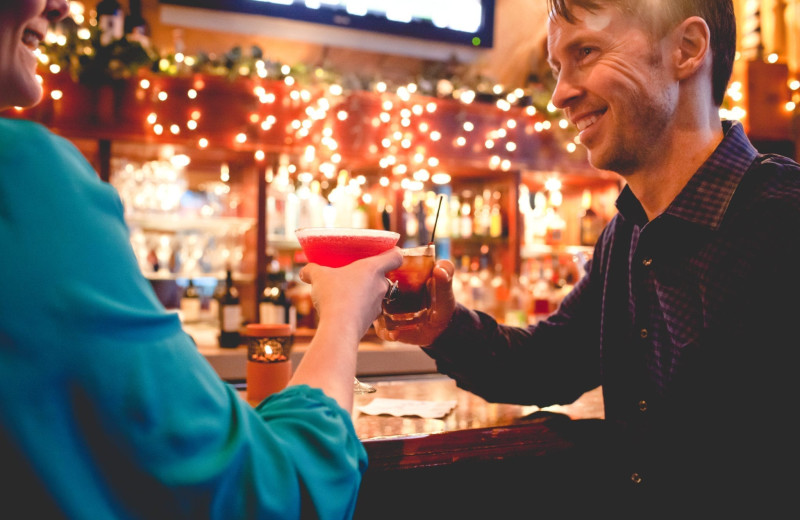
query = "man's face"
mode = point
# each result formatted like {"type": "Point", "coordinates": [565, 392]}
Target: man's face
{"type": "Point", "coordinates": [612, 86]}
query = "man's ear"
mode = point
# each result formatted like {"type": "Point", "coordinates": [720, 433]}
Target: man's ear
{"type": "Point", "coordinates": [692, 41]}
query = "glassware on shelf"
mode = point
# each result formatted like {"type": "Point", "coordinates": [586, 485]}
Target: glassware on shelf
{"type": "Point", "coordinates": [153, 186]}
{"type": "Point", "coordinates": [176, 232]}
{"type": "Point", "coordinates": [163, 251]}
{"type": "Point", "coordinates": [141, 249]}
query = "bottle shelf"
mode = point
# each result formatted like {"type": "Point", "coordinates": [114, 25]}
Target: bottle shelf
{"type": "Point", "coordinates": [180, 223]}
{"type": "Point", "coordinates": [479, 239]}
{"type": "Point", "coordinates": [538, 250]}
{"type": "Point", "coordinates": [220, 275]}
{"type": "Point", "coordinates": [283, 243]}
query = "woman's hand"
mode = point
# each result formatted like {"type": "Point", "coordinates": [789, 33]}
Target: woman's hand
{"type": "Point", "coordinates": [350, 296]}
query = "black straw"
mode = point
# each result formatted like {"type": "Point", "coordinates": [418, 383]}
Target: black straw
{"type": "Point", "coordinates": [433, 231]}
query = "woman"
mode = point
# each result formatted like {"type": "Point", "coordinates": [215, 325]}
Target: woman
{"type": "Point", "coordinates": [107, 410]}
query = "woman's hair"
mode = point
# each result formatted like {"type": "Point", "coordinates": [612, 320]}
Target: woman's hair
{"type": "Point", "coordinates": [662, 15]}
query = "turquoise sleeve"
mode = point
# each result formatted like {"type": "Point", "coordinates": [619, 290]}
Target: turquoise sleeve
{"type": "Point", "coordinates": [106, 400]}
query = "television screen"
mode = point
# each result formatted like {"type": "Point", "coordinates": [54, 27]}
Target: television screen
{"type": "Point", "coordinates": [468, 23]}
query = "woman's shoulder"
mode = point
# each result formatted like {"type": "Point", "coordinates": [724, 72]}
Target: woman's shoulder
{"type": "Point", "coordinates": [25, 142]}
{"type": "Point", "coordinates": [22, 134]}
{"type": "Point", "coordinates": [22, 125]}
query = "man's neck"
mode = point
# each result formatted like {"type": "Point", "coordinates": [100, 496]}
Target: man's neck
{"type": "Point", "coordinates": [656, 185]}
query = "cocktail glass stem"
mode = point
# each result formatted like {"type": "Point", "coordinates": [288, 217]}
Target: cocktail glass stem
{"type": "Point", "coordinates": [362, 388]}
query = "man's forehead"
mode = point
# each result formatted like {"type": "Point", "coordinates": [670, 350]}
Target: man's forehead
{"type": "Point", "coordinates": [595, 20]}
{"type": "Point", "coordinates": [585, 22]}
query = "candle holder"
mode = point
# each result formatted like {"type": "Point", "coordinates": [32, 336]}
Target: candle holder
{"type": "Point", "coordinates": [268, 365]}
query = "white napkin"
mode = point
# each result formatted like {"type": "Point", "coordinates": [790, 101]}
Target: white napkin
{"type": "Point", "coordinates": [400, 407]}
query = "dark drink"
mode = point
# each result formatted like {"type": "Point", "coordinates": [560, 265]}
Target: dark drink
{"type": "Point", "coordinates": [336, 247]}
{"type": "Point", "coordinates": [410, 303]}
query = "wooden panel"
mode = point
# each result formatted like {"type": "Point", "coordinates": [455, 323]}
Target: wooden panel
{"type": "Point", "coordinates": [766, 93]}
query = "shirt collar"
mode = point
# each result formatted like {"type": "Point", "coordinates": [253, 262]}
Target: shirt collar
{"type": "Point", "coordinates": [705, 198]}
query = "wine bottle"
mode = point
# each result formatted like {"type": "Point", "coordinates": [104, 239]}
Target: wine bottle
{"type": "Point", "coordinates": [519, 304]}
{"type": "Point", "coordinates": [275, 305]}
{"type": "Point", "coordinates": [591, 224]}
{"type": "Point", "coordinates": [466, 220]}
{"type": "Point", "coordinates": [230, 313]}
{"type": "Point", "coordinates": [496, 217]}
{"type": "Point", "coordinates": [110, 21]}
{"type": "Point", "coordinates": [190, 303]}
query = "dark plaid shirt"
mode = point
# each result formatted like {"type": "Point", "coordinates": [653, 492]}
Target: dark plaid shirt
{"type": "Point", "coordinates": [687, 321]}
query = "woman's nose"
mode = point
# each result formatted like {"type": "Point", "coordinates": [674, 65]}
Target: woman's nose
{"type": "Point", "coordinates": [56, 10]}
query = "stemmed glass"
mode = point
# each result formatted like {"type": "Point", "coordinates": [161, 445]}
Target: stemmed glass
{"type": "Point", "coordinates": [336, 247]}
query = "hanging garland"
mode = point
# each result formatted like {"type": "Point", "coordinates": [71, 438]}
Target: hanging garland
{"type": "Point", "coordinates": [74, 46]}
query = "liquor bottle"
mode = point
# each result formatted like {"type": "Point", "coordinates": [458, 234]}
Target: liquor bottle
{"type": "Point", "coordinates": [555, 227]}
{"type": "Point", "coordinates": [496, 217]}
{"type": "Point", "coordinates": [483, 216]}
{"type": "Point", "coordinates": [230, 313]}
{"type": "Point", "coordinates": [477, 215]}
{"type": "Point", "coordinates": [455, 219]}
{"type": "Point", "coordinates": [136, 25]}
{"type": "Point", "coordinates": [466, 220]}
{"type": "Point", "coordinates": [110, 21]}
{"type": "Point", "coordinates": [519, 303]}
{"type": "Point", "coordinates": [275, 306]}
{"type": "Point", "coordinates": [461, 282]}
{"type": "Point", "coordinates": [541, 294]}
{"type": "Point", "coordinates": [386, 215]}
{"type": "Point", "coordinates": [304, 206]}
{"type": "Point", "coordinates": [410, 224]}
{"type": "Point", "coordinates": [500, 289]}
{"type": "Point", "coordinates": [190, 303]}
{"type": "Point", "coordinates": [277, 199]}
{"type": "Point", "coordinates": [591, 224]}
{"type": "Point", "coordinates": [538, 220]}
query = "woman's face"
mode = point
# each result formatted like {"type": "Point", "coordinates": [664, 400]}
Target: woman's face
{"type": "Point", "coordinates": [23, 25]}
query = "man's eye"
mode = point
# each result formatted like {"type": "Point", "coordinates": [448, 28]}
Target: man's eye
{"type": "Point", "coordinates": [585, 51]}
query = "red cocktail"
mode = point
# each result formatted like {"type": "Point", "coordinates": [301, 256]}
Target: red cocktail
{"type": "Point", "coordinates": [335, 247]}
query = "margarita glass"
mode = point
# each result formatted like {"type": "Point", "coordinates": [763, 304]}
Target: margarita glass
{"type": "Point", "coordinates": [337, 247]}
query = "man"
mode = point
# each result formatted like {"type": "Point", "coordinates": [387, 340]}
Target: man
{"type": "Point", "coordinates": [686, 313]}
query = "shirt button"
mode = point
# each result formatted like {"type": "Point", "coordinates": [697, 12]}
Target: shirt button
{"type": "Point", "coordinates": [642, 405]}
{"type": "Point", "coordinates": [647, 261]}
{"type": "Point", "coordinates": [643, 333]}
{"type": "Point", "coordinates": [636, 478]}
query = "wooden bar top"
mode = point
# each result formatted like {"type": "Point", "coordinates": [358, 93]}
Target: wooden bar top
{"type": "Point", "coordinates": [474, 429]}
{"type": "Point", "coordinates": [479, 460]}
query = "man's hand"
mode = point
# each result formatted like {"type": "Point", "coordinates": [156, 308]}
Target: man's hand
{"type": "Point", "coordinates": [443, 304]}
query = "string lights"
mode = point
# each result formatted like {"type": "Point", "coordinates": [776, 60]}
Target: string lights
{"type": "Point", "coordinates": [409, 133]}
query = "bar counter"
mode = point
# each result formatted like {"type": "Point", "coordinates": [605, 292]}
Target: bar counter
{"type": "Point", "coordinates": [375, 357]}
{"type": "Point", "coordinates": [481, 459]}
{"type": "Point", "coordinates": [474, 429]}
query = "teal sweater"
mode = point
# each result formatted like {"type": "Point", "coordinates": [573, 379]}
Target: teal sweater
{"type": "Point", "coordinates": [107, 410]}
